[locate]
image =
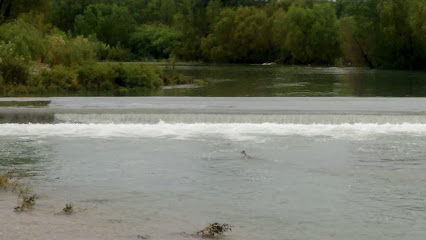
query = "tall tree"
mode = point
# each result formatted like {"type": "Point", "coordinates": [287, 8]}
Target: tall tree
{"type": "Point", "coordinates": [111, 23]}
{"type": "Point", "coordinates": [63, 12]}
{"type": "Point", "coordinates": [241, 35]}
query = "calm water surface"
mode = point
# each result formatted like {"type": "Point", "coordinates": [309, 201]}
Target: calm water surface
{"type": "Point", "coordinates": [319, 168]}
{"type": "Point", "coordinates": [277, 80]}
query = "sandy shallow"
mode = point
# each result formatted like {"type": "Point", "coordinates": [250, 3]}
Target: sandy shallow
{"type": "Point", "coordinates": [45, 222]}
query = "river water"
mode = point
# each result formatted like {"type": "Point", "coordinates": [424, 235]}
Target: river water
{"type": "Point", "coordinates": [318, 168]}
{"type": "Point", "coordinates": [232, 80]}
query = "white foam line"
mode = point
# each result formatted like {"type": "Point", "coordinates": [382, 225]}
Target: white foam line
{"type": "Point", "coordinates": [235, 131]}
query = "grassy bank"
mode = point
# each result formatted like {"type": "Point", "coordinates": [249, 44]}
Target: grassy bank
{"type": "Point", "coordinates": [38, 59]}
{"type": "Point", "coordinates": [106, 79]}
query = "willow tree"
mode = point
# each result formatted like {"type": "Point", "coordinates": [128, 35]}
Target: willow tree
{"type": "Point", "coordinates": [239, 35]}
{"type": "Point", "coordinates": [312, 34]}
{"type": "Point", "coordinates": [401, 39]}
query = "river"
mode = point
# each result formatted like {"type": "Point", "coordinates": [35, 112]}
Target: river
{"type": "Point", "coordinates": [318, 168]}
{"type": "Point", "coordinates": [233, 80]}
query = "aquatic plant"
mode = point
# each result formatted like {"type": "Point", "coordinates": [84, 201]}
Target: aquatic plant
{"type": "Point", "coordinates": [26, 199]}
{"type": "Point", "coordinates": [26, 202]}
{"type": "Point", "coordinates": [214, 229]}
{"type": "Point", "coordinates": [69, 209]}
{"type": "Point", "coordinates": [5, 179]}
{"type": "Point", "coordinates": [9, 179]}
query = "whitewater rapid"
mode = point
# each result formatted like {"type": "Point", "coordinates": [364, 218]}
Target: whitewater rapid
{"type": "Point", "coordinates": [233, 131]}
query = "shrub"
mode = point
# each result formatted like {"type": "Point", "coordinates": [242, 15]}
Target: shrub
{"type": "Point", "coordinates": [107, 86]}
{"type": "Point", "coordinates": [97, 77]}
{"type": "Point", "coordinates": [53, 54]}
{"type": "Point", "coordinates": [28, 41]}
{"type": "Point", "coordinates": [106, 52]}
{"type": "Point", "coordinates": [77, 51]}
{"type": "Point", "coordinates": [105, 77]}
{"type": "Point", "coordinates": [142, 76]}
{"type": "Point", "coordinates": [59, 78]}
{"type": "Point", "coordinates": [122, 91]}
{"type": "Point", "coordinates": [118, 53]}
{"type": "Point", "coordinates": [38, 90]}
{"type": "Point", "coordinates": [54, 89]}
{"type": "Point", "coordinates": [14, 67]}
{"type": "Point", "coordinates": [21, 90]}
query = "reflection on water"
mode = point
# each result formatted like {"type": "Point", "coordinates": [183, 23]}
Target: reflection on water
{"type": "Point", "coordinates": [257, 80]}
{"type": "Point", "coordinates": [24, 103]}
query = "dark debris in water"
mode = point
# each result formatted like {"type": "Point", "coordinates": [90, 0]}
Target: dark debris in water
{"type": "Point", "coordinates": [68, 209]}
{"type": "Point", "coordinates": [144, 236]}
{"type": "Point", "coordinates": [214, 230]}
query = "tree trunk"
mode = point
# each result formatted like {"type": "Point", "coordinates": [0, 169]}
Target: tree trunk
{"type": "Point", "coordinates": [367, 60]}
{"type": "Point", "coordinates": [7, 6]}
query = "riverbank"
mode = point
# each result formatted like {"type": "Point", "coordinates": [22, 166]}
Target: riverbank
{"type": "Point", "coordinates": [101, 79]}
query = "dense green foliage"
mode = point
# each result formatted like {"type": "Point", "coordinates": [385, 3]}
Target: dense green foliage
{"type": "Point", "coordinates": [10, 9]}
{"type": "Point", "coordinates": [52, 46]}
{"type": "Point", "coordinates": [388, 33]}
{"type": "Point", "coordinates": [110, 23]}
{"type": "Point", "coordinates": [239, 35]}
{"type": "Point", "coordinates": [39, 59]}
{"type": "Point", "coordinates": [151, 41]}
{"type": "Point", "coordinates": [374, 33]}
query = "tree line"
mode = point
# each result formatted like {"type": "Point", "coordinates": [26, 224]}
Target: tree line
{"type": "Point", "coordinates": [373, 33]}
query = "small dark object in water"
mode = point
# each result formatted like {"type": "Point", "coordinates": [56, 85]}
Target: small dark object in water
{"type": "Point", "coordinates": [214, 229]}
{"type": "Point", "coordinates": [144, 237]}
{"type": "Point", "coordinates": [245, 155]}
{"type": "Point", "coordinates": [68, 209]}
